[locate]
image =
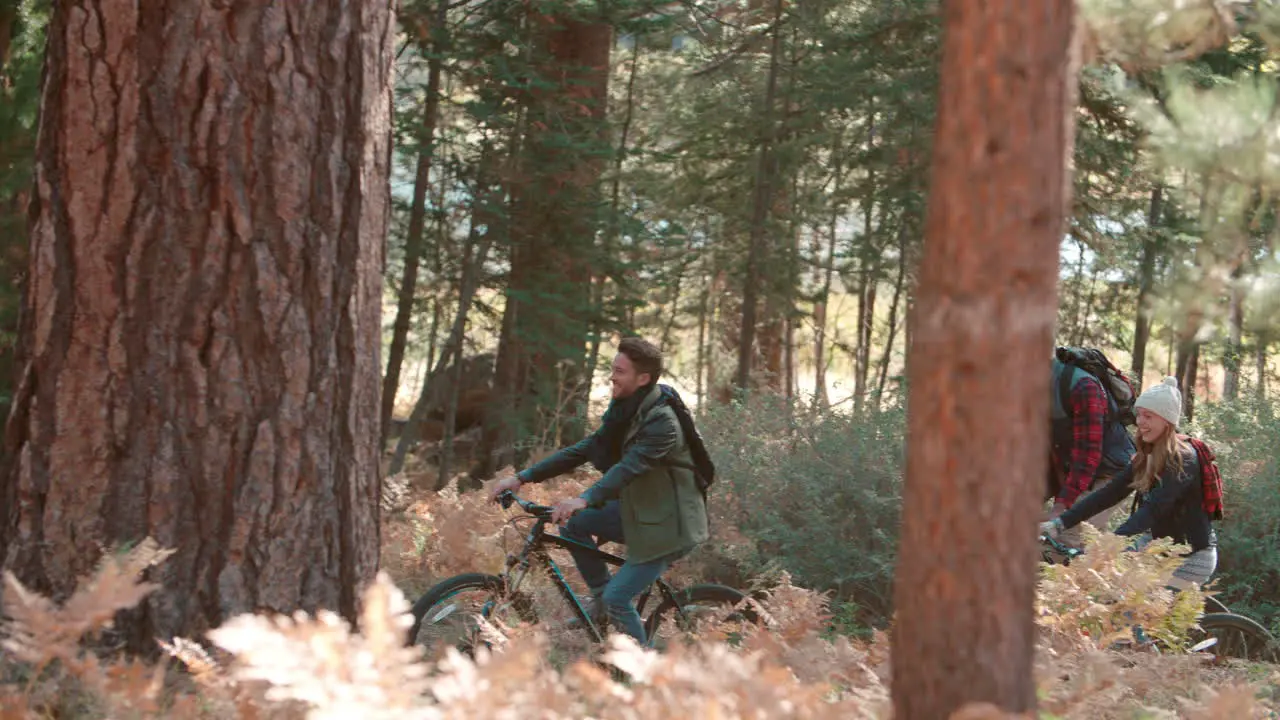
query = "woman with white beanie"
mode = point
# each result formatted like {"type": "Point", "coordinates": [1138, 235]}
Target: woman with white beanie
{"type": "Point", "coordinates": [1174, 501]}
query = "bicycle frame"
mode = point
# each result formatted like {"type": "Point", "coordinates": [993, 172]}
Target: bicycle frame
{"type": "Point", "coordinates": [536, 544]}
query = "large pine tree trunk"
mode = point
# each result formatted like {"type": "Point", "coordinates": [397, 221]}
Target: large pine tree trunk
{"type": "Point", "coordinates": [555, 228]}
{"type": "Point", "coordinates": [984, 317]}
{"type": "Point", "coordinates": [202, 366]}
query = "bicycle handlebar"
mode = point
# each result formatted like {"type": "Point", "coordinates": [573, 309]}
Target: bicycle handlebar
{"type": "Point", "coordinates": [1059, 547]}
{"type": "Point", "coordinates": [508, 497]}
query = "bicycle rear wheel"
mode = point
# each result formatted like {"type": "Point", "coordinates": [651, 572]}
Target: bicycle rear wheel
{"type": "Point", "coordinates": [1239, 637]}
{"type": "Point", "coordinates": [448, 615]}
{"type": "Point", "coordinates": [704, 611]}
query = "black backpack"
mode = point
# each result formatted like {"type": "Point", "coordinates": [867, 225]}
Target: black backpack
{"type": "Point", "coordinates": [704, 470]}
{"type": "Point", "coordinates": [1118, 385]}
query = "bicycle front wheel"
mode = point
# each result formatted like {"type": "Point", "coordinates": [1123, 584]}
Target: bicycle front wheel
{"type": "Point", "coordinates": [1239, 637]}
{"type": "Point", "coordinates": [703, 611]}
{"type": "Point", "coordinates": [450, 613]}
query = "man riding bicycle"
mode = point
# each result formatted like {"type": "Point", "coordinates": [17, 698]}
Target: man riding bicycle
{"type": "Point", "coordinates": [647, 499]}
{"type": "Point", "coordinates": [1089, 446]}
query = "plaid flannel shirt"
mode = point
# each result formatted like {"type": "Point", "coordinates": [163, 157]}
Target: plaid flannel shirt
{"type": "Point", "coordinates": [1088, 417]}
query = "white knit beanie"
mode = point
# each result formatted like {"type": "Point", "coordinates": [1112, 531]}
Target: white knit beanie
{"type": "Point", "coordinates": [1164, 400]}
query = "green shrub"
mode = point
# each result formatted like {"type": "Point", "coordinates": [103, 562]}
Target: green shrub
{"type": "Point", "coordinates": [1243, 435]}
{"type": "Point", "coordinates": [818, 494]}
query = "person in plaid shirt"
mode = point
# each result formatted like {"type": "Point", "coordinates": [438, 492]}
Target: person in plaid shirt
{"type": "Point", "coordinates": [1089, 447]}
{"type": "Point", "coordinates": [1179, 489]}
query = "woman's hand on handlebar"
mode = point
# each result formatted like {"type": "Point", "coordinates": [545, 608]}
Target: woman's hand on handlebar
{"type": "Point", "coordinates": [511, 482]}
{"type": "Point", "coordinates": [1051, 528]}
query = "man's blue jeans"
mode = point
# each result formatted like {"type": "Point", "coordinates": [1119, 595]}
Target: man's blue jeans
{"type": "Point", "coordinates": [593, 526]}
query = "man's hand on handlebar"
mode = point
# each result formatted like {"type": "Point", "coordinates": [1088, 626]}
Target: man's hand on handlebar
{"type": "Point", "coordinates": [503, 492]}
{"type": "Point", "coordinates": [565, 509]}
{"type": "Point", "coordinates": [511, 482]}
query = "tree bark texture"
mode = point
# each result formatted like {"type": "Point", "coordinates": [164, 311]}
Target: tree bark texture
{"type": "Point", "coordinates": [211, 202]}
{"type": "Point", "coordinates": [984, 318]}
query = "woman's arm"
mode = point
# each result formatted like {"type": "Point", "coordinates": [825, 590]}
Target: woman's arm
{"type": "Point", "coordinates": [1117, 489]}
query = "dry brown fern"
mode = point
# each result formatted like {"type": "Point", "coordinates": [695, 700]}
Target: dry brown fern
{"type": "Point", "coordinates": [320, 662]}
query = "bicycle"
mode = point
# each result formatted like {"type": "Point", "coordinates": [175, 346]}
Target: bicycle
{"type": "Point", "coordinates": [1230, 634]}
{"type": "Point", "coordinates": [501, 593]}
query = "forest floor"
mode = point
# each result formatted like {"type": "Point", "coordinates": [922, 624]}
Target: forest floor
{"type": "Point", "coordinates": [436, 536]}
{"type": "Point", "coordinates": [796, 666]}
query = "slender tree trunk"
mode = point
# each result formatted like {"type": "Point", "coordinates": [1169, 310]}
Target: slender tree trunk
{"type": "Point", "coordinates": [1182, 361]}
{"type": "Point", "coordinates": [677, 293]}
{"type": "Point", "coordinates": [757, 248]}
{"type": "Point", "coordinates": [866, 336]}
{"type": "Point", "coordinates": [417, 221]}
{"type": "Point", "coordinates": [821, 399]}
{"type": "Point", "coordinates": [1260, 366]}
{"type": "Point", "coordinates": [789, 357]}
{"type": "Point", "coordinates": [472, 267]}
{"type": "Point", "coordinates": [1146, 279]}
{"type": "Point", "coordinates": [601, 281]}
{"type": "Point", "coordinates": [715, 319]}
{"type": "Point", "coordinates": [898, 284]}
{"type": "Point", "coordinates": [793, 283]}
{"type": "Point", "coordinates": [430, 397]}
{"type": "Point", "coordinates": [502, 414]}
{"type": "Point", "coordinates": [985, 310]}
{"type": "Point", "coordinates": [866, 281]}
{"type": "Point", "coordinates": [433, 335]}
{"type": "Point", "coordinates": [1189, 382]}
{"type": "Point", "coordinates": [703, 308]}
{"type": "Point", "coordinates": [1091, 297]}
{"type": "Point", "coordinates": [205, 307]}
{"type": "Point", "coordinates": [1235, 320]}
{"type": "Point", "coordinates": [8, 14]}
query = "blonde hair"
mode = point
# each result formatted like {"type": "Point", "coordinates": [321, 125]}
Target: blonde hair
{"type": "Point", "coordinates": [1154, 458]}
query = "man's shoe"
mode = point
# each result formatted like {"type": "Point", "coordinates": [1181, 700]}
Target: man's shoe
{"type": "Point", "coordinates": [595, 610]}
